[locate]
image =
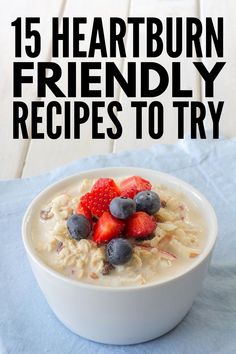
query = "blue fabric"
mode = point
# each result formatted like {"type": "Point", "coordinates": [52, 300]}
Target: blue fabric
{"type": "Point", "coordinates": [27, 324]}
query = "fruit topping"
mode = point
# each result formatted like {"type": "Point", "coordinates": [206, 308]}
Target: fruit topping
{"type": "Point", "coordinates": [119, 251]}
{"type": "Point", "coordinates": [122, 207]}
{"type": "Point", "coordinates": [140, 224]}
{"type": "Point", "coordinates": [147, 201]}
{"type": "Point", "coordinates": [78, 226]}
{"type": "Point", "coordinates": [133, 185]}
{"type": "Point", "coordinates": [98, 200]}
{"type": "Point", "coordinates": [106, 183]}
{"type": "Point", "coordinates": [107, 228]}
{"type": "Point", "coordinates": [83, 210]}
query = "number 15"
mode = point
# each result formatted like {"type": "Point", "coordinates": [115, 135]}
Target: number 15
{"type": "Point", "coordinates": [32, 50]}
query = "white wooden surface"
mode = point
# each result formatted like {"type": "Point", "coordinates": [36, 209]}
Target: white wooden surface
{"type": "Point", "coordinates": [13, 152]}
{"type": "Point", "coordinates": [22, 158]}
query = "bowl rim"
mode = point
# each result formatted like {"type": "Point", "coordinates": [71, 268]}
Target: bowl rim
{"type": "Point", "coordinates": [212, 234]}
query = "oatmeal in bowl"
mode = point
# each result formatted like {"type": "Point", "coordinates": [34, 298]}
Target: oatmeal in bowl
{"type": "Point", "coordinates": [120, 253]}
{"type": "Point", "coordinates": [119, 232]}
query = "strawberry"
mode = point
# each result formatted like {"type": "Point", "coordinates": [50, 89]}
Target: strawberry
{"type": "Point", "coordinates": [83, 210]}
{"type": "Point", "coordinates": [106, 183]}
{"type": "Point", "coordinates": [107, 228]}
{"type": "Point", "coordinates": [98, 200]}
{"type": "Point", "coordinates": [133, 185]}
{"type": "Point", "coordinates": [140, 224]}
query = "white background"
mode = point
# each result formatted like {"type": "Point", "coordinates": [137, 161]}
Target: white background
{"type": "Point", "coordinates": [22, 158]}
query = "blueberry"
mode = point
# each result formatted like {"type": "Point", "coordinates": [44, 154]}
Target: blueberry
{"type": "Point", "coordinates": [78, 226]}
{"type": "Point", "coordinates": [119, 251]}
{"type": "Point", "coordinates": [122, 207]}
{"type": "Point", "coordinates": [147, 201]}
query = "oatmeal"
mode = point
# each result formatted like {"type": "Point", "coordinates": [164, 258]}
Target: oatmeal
{"type": "Point", "coordinates": [119, 232]}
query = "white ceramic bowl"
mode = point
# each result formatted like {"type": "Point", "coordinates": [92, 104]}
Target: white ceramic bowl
{"type": "Point", "coordinates": [122, 315]}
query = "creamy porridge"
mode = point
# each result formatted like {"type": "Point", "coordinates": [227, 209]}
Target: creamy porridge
{"type": "Point", "coordinates": [177, 235]}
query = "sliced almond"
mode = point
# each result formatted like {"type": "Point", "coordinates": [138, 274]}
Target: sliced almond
{"type": "Point", "coordinates": [93, 275]}
{"type": "Point", "coordinates": [168, 255]}
{"type": "Point", "coordinates": [166, 239]}
{"type": "Point", "coordinates": [193, 254]}
{"type": "Point", "coordinates": [59, 246]}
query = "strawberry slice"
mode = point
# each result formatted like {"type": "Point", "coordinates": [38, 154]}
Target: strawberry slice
{"type": "Point", "coordinates": [99, 199]}
{"type": "Point", "coordinates": [133, 185]}
{"type": "Point", "coordinates": [106, 183]}
{"type": "Point", "coordinates": [107, 228]}
{"type": "Point", "coordinates": [140, 224]}
{"type": "Point", "coordinates": [83, 210]}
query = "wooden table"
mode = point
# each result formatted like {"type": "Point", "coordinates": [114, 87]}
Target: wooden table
{"type": "Point", "coordinates": [22, 158]}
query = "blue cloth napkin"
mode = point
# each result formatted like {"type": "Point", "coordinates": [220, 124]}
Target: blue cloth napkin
{"type": "Point", "coordinates": [27, 324]}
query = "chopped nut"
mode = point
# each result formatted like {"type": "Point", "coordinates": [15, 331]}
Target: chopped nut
{"type": "Point", "coordinates": [93, 275]}
{"type": "Point", "coordinates": [181, 207]}
{"type": "Point", "coordinates": [107, 267]}
{"type": "Point", "coordinates": [163, 204]}
{"type": "Point", "coordinates": [59, 246]}
{"type": "Point", "coordinates": [46, 214]}
{"type": "Point", "coordinates": [193, 254]}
